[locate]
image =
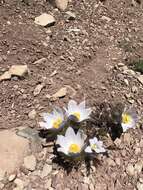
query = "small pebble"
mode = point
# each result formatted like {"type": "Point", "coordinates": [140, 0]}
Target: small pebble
{"type": "Point", "coordinates": [91, 186]}
{"type": "Point", "coordinates": [137, 151]}
{"type": "Point", "coordinates": [1, 185]}
{"type": "Point", "coordinates": [38, 89]}
{"type": "Point", "coordinates": [134, 89]}
{"type": "Point", "coordinates": [141, 180]}
{"type": "Point", "coordinates": [40, 61]}
{"type": "Point", "coordinates": [110, 162]}
{"type": "Point", "coordinates": [2, 174]}
{"type": "Point", "coordinates": [46, 170]}
{"type": "Point", "coordinates": [139, 167]}
{"type": "Point", "coordinates": [127, 138]}
{"type": "Point", "coordinates": [139, 186]}
{"type": "Point", "coordinates": [126, 82]}
{"type": "Point", "coordinates": [118, 161]}
{"type": "Point", "coordinates": [61, 4]}
{"type": "Point", "coordinates": [121, 64]}
{"type": "Point", "coordinates": [70, 15]}
{"type": "Point", "coordinates": [32, 114]}
{"type": "Point", "coordinates": [19, 183]}
{"type": "Point", "coordinates": [12, 177]}
{"type": "Point", "coordinates": [48, 183]}
{"type": "Point", "coordinates": [117, 142]}
{"type": "Point", "coordinates": [130, 170]}
{"type": "Point", "coordinates": [45, 20]}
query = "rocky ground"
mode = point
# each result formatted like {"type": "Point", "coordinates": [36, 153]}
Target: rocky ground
{"type": "Point", "coordinates": [84, 49]}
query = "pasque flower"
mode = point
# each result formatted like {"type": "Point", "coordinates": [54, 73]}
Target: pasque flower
{"type": "Point", "coordinates": [72, 144]}
{"type": "Point", "coordinates": [129, 119]}
{"type": "Point", "coordinates": [78, 111]}
{"type": "Point", "coordinates": [95, 146]}
{"type": "Point", "coordinates": [54, 120]}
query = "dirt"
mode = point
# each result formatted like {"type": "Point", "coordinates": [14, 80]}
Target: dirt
{"type": "Point", "coordinates": [86, 54]}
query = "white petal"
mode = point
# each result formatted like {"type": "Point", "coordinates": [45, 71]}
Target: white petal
{"type": "Point", "coordinates": [83, 116]}
{"type": "Point", "coordinates": [45, 125]}
{"type": "Point", "coordinates": [99, 143]}
{"type": "Point", "coordinates": [103, 149]}
{"type": "Point", "coordinates": [128, 126]}
{"type": "Point", "coordinates": [78, 141]}
{"type": "Point", "coordinates": [125, 127]}
{"type": "Point", "coordinates": [85, 113]}
{"type": "Point", "coordinates": [72, 106]}
{"type": "Point", "coordinates": [42, 124]}
{"type": "Point", "coordinates": [93, 141]}
{"type": "Point", "coordinates": [88, 149]}
{"type": "Point", "coordinates": [134, 125]}
{"type": "Point", "coordinates": [47, 116]}
{"type": "Point", "coordinates": [55, 114]}
{"type": "Point", "coordinates": [133, 114]}
{"type": "Point", "coordinates": [70, 133]}
{"type": "Point", "coordinates": [81, 137]}
{"type": "Point", "coordinates": [60, 140]}
{"type": "Point", "coordinates": [63, 142]}
{"type": "Point", "coordinates": [88, 111]}
{"type": "Point", "coordinates": [82, 105]}
{"type": "Point", "coordinates": [58, 113]}
{"type": "Point", "coordinates": [61, 149]}
{"type": "Point", "coordinates": [100, 150]}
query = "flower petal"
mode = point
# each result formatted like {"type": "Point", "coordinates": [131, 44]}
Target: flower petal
{"type": "Point", "coordinates": [88, 149]}
{"type": "Point", "coordinates": [60, 140]}
{"type": "Point", "coordinates": [70, 133]}
{"type": "Point", "coordinates": [47, 116]}
{"type": "Point", "coordinates": [45, 125]}
{"type": "Point", "coordinates": [61, 149]}
{"type": "Point", "coordinates": [85, 113]}
{"type": "Point", "coordinates": [82, 134]}
{"type": "Point", "coordinates": [82, 105]}
{"type": "Point", "coordinates": [70, 138]}
{"type": "Point", "coordinates": [56, 114]}
{"type": "Point", "coordinates": [99, 143]}
{"type": "Point", "coordinates": [72, 106]}
{"type": "Point", "coordinates": [93, 141]}
{"type": "Point", "coordinates": [63, 142]}
{"type": "Point", "coordinates": [100, 150]}
{"type": "Point", "coordinates": [125, 127]}
{"type": "Point", "coordinates": [88, 111]}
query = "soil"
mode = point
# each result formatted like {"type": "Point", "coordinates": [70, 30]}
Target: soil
{"type": "Point", "coordinates": [89, 56]}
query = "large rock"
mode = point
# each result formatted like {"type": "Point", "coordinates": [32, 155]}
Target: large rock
{"type": "Point", "coordinates": [15, 70]}
{"type": "Point", "coordinates": [13, 149]}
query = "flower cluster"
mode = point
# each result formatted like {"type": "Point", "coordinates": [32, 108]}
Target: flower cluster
{"type": "Point", "coordinates": [74, 143]}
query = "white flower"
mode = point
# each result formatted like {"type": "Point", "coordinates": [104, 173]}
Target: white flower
{"type": "Point", "coordinates": [54, 120]}
{"type": "Point", "coordinates": [95, 146]}
{"type": "Point", "coordinates": [129, 120]}
{"type": "Point", "coordinates": [78, 111]}
{"type": "Point", "coordinates": [71, 143]}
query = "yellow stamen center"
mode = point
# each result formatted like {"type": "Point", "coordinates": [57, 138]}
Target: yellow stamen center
{"type": "Point", "coordinates": [74, 148]}
{"type": "Point", "coordinates": [77, 115]}
{"type": "Point", "coordinates": [57, 123]}
{"type": "Point", "coordinates": [93, 146]}
{"type": "Point", "coordinates": [126, 118]}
